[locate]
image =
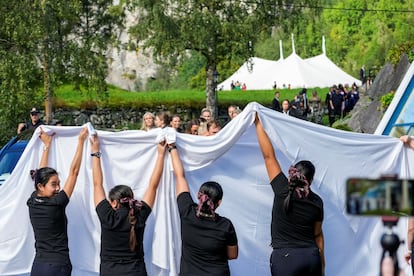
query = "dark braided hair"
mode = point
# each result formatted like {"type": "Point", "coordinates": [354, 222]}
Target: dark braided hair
{"type": "Point", "coordinates": [209, 195]}
{"type": "Point", "coordinates": [41, 176]}
{"type": "Point", "coordinates": [300, 179]}
{"type": "Point", "coordinates": [124, 195]}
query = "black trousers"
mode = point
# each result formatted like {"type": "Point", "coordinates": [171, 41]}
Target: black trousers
{"type": "Point", "coordinates": [51, 269]}
{"type": "Point", "coordinates": [123, 268]}
{"type": "Point", "coordinates": [296, 262]}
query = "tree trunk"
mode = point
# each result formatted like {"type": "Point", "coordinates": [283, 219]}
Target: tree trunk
{"type": "Point", "coordinates": [46, 83]}
{"type": "Point", "coordinates": [211, 91]}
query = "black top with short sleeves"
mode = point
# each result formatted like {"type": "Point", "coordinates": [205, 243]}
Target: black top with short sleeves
{"type": "Point", "coordinates": [115, 229]}
{"type": "Point", "coordinates": [295, 229]}
{"type": "Point", "coordinates": [48, 218]}
{"type": "Point", "coordinates": [204, 240]}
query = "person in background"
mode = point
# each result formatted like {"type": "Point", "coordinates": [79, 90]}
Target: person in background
{"type": "Point", "coordinates": [297, 215]}
{"type": "Point", "coordinates": [276, 102]}
{"type": "Point", "coordinates": [192, 127]}
{"type": "Point", "coordinates": [123, 218]}
{"type": "Point", "coordinates": [34, 122]}
{"type": "Point", "coordinates": [230, 111]}
{"type": "Point", "coordinates": [208, 239]}
{"type": "Point", "coordinates": [286, 107]}
{"type": "Point", "coordinates": [236, 112]}
{"type": "Point", "coordinates": [47, 206]}
{"type": "Point", "coordinates": [202, 128]}
{"type": "Point", "coordinates": [162, 119]}
{"type": "Point", "coordinates": [175, 123]}
{"type": "Point", "coordinates": [213, 127]}
{"type": "Point", "coordinates": [206, 114]}
{"type": "Point", "coordinates": [362, 75]}
{"type": "Point", "coordinates": [315, 104]}
{"type": "Point", "coordinates": [147, 121]}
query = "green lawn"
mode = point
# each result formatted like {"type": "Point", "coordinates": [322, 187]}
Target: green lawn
{"type": "Point", "coordinates": [68, 97]}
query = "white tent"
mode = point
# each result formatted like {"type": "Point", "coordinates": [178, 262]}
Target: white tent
{"type": "Point", "coordinates": [247, 76]}
{"type": "Point", "coordinates": [323, 64]}
{"type": "Point", "coordinates": [318, 71]}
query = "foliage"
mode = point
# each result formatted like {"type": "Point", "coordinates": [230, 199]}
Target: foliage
{"type": "Point", "coordinates": [387, 99]}
{"type": "Point", "coordinates": [218, 30]}
{"type": "Point", "coordinates": [394, 55]}
{"type": "Point", "coordinates": [45, 43]}
{"type": "Point", "coordinates": [363, 32]}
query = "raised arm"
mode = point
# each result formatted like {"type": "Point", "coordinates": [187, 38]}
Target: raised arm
{"type": "Point", "coordinates": [47, 141]}
{"type": "Point", "coordinates": [272, 165]}
{"type": "Point", "coordinates": [98, 190]}
{"type": "Point", "coordinates": [151, 192]}
{"type": "Point", "coordinates": [76, 162]}
{"type": "Point", "coordinates": [181, 182]}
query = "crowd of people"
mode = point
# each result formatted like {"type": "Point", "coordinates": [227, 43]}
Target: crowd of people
{"type": "Point", "coordinates": [237, 86]}
{"type": "Point", "coordinates": [339, 101]}
{"type": "Point", "coordinates": [205, 125]}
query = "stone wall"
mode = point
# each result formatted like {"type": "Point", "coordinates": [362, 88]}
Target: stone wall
{"type": "Point", "coordinates": [124, 118]}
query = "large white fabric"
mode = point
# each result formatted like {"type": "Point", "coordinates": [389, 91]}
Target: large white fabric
{"type": "Point", "coordinates": [232, 158]}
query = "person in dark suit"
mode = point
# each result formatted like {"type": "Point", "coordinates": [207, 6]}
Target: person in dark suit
{"type": "Point", "coordinates": [276, 102]}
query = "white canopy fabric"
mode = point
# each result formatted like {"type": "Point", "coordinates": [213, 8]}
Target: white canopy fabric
{"type": "Point", "coordinates": [254, 79]}
{"type": "Point", "coordinates": [318, 71]}
{"type": "Point", "coordinates": [323, 64]}
{"type": "Point", "coordinates": [233, 158]}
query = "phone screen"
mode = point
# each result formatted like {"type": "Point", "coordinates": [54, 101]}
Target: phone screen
{"type": "Point", "coordinates": [379, 197]}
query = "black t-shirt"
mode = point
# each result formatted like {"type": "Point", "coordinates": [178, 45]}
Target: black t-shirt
{"type": "Point", "coordinates": [30, 125]}
{"type": "Point", "coordinates": [115, 229]}
{"type": "Point", "coordinates": [295, 229]}
{"type": "Point", "coordinates": [204, 241]}
{"type": "Point", "coordinates": [49, 222]}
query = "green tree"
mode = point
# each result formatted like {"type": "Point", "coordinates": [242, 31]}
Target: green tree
{"type": "Point", "coordinates": [45, 43]}
{"type": "Point", "coordinates": [218, 30]}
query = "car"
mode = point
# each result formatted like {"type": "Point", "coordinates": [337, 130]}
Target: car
{"type": "Point", "coordinates": [11, 153]}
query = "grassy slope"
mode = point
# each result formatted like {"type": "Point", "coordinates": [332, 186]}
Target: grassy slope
{"type": "Point", "coordinates": [67, 97]}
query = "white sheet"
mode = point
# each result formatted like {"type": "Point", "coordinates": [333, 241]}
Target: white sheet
{"type": "Point", "coordinates": [232, 158]}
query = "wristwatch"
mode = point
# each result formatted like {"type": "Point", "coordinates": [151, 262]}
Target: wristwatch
{"type": "Point", "coordinates": [97, 154]}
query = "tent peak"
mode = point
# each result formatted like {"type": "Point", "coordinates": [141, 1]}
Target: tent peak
{"type": "Point", "coordinates": [293, 45]}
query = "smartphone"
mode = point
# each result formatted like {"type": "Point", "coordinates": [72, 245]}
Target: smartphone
{"type": "Point", "coordinates": [379, 197]}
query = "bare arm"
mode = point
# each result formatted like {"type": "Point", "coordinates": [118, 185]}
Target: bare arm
{"type": "Point", "coordinates": [182, 185]}
{"type": "Point", "coordinates": [47, 141]}
{"type": "Point", "coordinates": [232, 252]}
{"type": "Point", "coordinates": [75, 165]}
{"type": "Point", "coordinates": [272, 165]}
{"type": "Point", "coordinates": [98, 190]}
{"type": "Point", "coordinates": [319, 239]}
{"type": "Point", "coordinates": [410, 239]}
{"type": "Point", "coordinates": [151, 192]}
